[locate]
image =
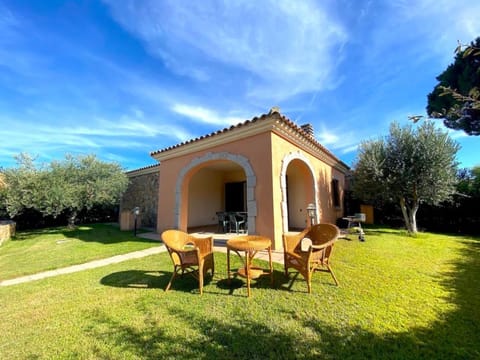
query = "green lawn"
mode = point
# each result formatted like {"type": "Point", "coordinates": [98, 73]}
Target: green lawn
{"type": "Point", "coordinates": [46, 249]}
{"type": "Point", "coordinates": [399, 298]}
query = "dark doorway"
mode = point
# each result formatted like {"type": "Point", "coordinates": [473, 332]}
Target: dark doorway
{"type": "Point", "coordinates": [235, 196]}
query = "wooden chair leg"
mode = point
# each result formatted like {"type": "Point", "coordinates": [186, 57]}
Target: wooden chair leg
{"type": "Point", "coordinates": [212, 265]}
{"type": "Point", "coordinates": [309, 282]}
{"type": "Point", "coordinates": [333, 275]}
{"type": "Point", "coordinates": [200, 278]}
{"type": "Point", "coordinates": [171, 280]}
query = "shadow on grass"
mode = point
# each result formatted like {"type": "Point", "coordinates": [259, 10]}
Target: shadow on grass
{"type": "Point", "coordinates": [219, 340]}
{"type": "Point", "coordinates": [237, 282]}
{"type": "Point", "coordinates": [320, 277]}
{"type": "Point", "coordinates": [29, 234]}
{"type": "Point", "coordinates": [143, 279]}
{"type": "Point", "coordinates": [140, 279]}
{"type": "Point", "coordinates": [454, 336]}
{"type": "Point", "coordinates": [104, 234]}
{"type": "Point", "coordinates": [100, 233]}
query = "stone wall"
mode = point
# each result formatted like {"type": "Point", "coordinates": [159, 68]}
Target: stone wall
{"type": "Point", "coordinates": [7, 230]}
{"type": "Point", "coordinates": [142, 191]}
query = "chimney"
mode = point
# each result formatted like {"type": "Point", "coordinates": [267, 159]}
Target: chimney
{"type": "Point", "coordinates": [308, 128]}
{"type": "Point", "coordinates": [274, 109]}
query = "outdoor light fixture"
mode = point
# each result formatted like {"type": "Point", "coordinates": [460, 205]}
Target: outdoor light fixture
{"type": "Point", "coordinates": [136, 212]}
{"type": "Point", "coordinates": [312, 213]}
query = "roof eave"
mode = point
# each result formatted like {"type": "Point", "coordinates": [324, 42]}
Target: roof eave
{"type": "Point", "coordinates": [274, 122]}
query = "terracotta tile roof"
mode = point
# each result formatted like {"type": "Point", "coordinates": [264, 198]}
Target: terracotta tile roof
{"type": "Point", "coordinates": [218, 132]}
{"type": "Point", "coordinates": [145, 168]}
{"type": "Point", "coordinates": [263, 117]}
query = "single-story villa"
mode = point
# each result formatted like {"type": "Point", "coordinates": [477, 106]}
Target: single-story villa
{"type": "Point", "coordinates": [268, 168]}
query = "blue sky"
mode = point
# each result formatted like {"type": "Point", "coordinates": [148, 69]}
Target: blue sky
{"type": "Point", "coordinates": [122, 78]}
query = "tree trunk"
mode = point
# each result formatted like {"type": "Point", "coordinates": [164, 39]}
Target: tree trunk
{"type": "Point", "coordinates": [406, 218]}
{"type": "Point", "coordinates": [413, 218]}
{"type": "Point", "coordinates": [409, 215]}
{"type": "Point", "coordinates": [71, 220]}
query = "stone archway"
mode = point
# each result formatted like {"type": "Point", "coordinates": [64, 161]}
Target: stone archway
{"type": "Point", "coordinates": [251, 180]}
{"type": "Point", "coordinates": [283, 184]}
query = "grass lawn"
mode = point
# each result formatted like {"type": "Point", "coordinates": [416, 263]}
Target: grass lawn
{"type": "Point", "coordinates": [399, 298]}
{"type": "Point", "coordinates": [46, 249]}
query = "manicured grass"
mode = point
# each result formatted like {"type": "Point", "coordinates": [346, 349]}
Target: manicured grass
{"type": "Point", "coordinates": [46, 249]}
{"type": "Point", "coordinates": [399, 298]}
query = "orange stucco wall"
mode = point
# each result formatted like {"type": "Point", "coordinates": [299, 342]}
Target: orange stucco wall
{"type": "Point", "coordinates": [266, 153]}
{"type": "Point", "coordinates": [204, 198]}
{"type": "Point", "coordinates": [319, 170]}
{"type": "Point", "coordinates": [255, 148]}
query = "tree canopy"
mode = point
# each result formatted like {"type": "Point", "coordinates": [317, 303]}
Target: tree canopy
{"type": "Point", "coordinates": [469, 182]}
{"type": "Point", "coordinates": [67, 186]}
{"type": "Point", "coordinates": [408, 167]}
{"type": "Point", "coordinates": [3, 184]}
{"type": "Point", "coordinates": [456, 97]}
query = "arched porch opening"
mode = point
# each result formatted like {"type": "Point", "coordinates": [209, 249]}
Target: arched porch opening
{"type": "Point", "coordinates": [298, 190]}
{"type": "Point", "coordinates": [216, 182]}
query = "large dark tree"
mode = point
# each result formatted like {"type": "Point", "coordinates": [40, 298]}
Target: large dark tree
{"type": "Point", "coordinates": [461, 213]}
{"type": "Point", "coordinates": [469, 182]}
{"type": "Point", "coordinates": [456, 97]}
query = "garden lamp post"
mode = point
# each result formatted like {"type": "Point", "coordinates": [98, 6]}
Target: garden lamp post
{"type": "Point", "coordinates": [136, 212]}
{"type": "Point", "coordinates": [312, 213]}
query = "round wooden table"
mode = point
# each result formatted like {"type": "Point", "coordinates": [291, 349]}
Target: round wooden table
{"type": "Point", "coordinates": [250, 245]}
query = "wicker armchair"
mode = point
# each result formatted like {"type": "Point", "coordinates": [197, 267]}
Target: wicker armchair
{"type": "Point", "coordinates": [316, 257]}
{"type": "Point", "coordinates": [189, 254]}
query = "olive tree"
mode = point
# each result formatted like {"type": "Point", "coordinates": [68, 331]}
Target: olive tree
{"type": "Point", "coordinates": [3, 188]}
{"type": "Point", "coordinates": [20, 185]}
{"type": "Point", "coordinates": [68, 186]}
{"type": "Point", "coordinates": [3, 183]}
{"type": "Point", "coordinates": [409, 167]}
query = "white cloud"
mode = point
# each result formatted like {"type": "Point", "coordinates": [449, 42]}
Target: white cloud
{"type": "Point", "coordinates": [204, 115]}
{"type": "Point", "coordinates": [130, 131]}
{"type": "Point", "coordinates": [454, 134]}
{"type": "Point", "coordinates": [284, 48]}
{"type": "Point", "coordinates": [338, 138]}
{"type": "Point", "coordinates": [327, 138]}
{"type": "Point", "coordinates": [349, 149]}
{"type": "Point", "coordinates": [240, 54]}
{"type": "Point", "coordinates": [430, 29]}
